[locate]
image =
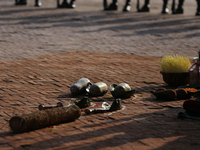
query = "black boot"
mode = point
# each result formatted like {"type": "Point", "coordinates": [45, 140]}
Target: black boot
{"type": "Point", "coordinates": [72, 4]}
{"type": "Point", "coordinates": [127, 6]}
{"type": "Point", "coordinates": [38, 3]}
{"type": "Point", "coordinates": [63, 5]}
{"type": "Point", "coordinates": [198, 8]}
{"type": "Point", "coordinates": [112, 6]}
{"type": "Point", "coordinates": [179, 10]}
{"type": "Point", "coordinates": [145, 8]}
{"type": "Point", "coordinates": [20, 2]}
{"type": "Point", "coordinates": [165, 9]}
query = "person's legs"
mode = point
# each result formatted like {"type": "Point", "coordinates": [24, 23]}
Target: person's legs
{"type": "Point", "coordinates": [38, 3]}
{"type": "Point", "coordinates": [179, 10]}
{"type": "Point", "coordinates": [72, 4]}
{"type": "Point", "coordinates": [165, 9]}
{"type": "Point", "coordinates": [105, 4]}
{"type": "Point", "coordinates": [20, 2]}
{"type": "Point", "coordinates": [127, 6]}
{"type": "Point", "coordinates": [112, 6]}
{"type": "Point", "coordinates": [65, 4]}
{"type": "Point", "coordinates": [145, 8]}
{"type": "Point", "coordinates": [198, 8]}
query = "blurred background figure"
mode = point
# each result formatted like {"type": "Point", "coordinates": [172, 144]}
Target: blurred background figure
{"type": "Point", "coordinates": [112, 6]}
{"type": "Point", "coordinates": [66, 4]}
{"type": "Point", "coordinates": [165, 9]}
{"type": "Point", "coordinates": [127, 6]}
{"type": "Point", "coordinates": [24, 2]}
{"type": "Point", "coordinates": [198, 8]}
{"type": "Point", "coordinates": [20, 2]}
{"type": "Point", "coordinates": [145, 8]}
{"type": "Point", "coordinates": [38, 3]}
{"type": "Point", "coordinates": [179, 9]}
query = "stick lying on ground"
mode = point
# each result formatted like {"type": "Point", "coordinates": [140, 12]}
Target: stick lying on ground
{"type": "Point", "coordinates": [44, 118]}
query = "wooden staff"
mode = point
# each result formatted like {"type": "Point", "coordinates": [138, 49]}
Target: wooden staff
{"type": "Point", "coordinates": [44, 118]}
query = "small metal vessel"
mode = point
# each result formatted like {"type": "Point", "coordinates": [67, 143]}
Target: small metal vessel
{"type": "Point", "coordinates": [80, 86]}
{"type": "Point", "coordinates": [97, 89]}
{"type": "Point", "coordinates": [123, 90]}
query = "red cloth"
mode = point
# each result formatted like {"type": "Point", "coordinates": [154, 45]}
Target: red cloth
{"type": "Point", "coordinates": [194, 104]}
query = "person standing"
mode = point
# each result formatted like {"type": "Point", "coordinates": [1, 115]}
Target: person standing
{"type": "Point", "coordinates": [165, 9]}
{"type": "Point", "coordinates": [127, 6]}
{"type": "Point", "coordinates": [112, 6]}
{"type": "Point", "coordinates": [65, 4]}
{"type": "Point", "coordinates": [146, 7]}
{"type": "Point", "coordinates": [180, 9]}
{"type": "Point", "coordinates": [198, 8]}
{"type": "Point", "coordinates": [24, 2]}
{"type": "Point", "coordinates": [20, 2]}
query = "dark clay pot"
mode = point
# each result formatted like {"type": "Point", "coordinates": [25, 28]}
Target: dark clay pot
{"type": "Point", "coordinates": [176, 79]}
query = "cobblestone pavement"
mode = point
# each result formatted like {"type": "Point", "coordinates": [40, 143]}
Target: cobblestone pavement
{"type": "Point", "coordinates": [45, 50]}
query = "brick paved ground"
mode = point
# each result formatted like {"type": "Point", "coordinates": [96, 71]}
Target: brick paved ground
{"type": "Point", "coordinates": [44, 50]}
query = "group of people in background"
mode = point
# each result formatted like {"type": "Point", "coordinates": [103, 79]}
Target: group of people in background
{"type": "Point", "coordinates": [146, 6]}
{"type": "Point", "coordinates": [126, 8]}
{"type": "Point", "coordinates": [38, 3]}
